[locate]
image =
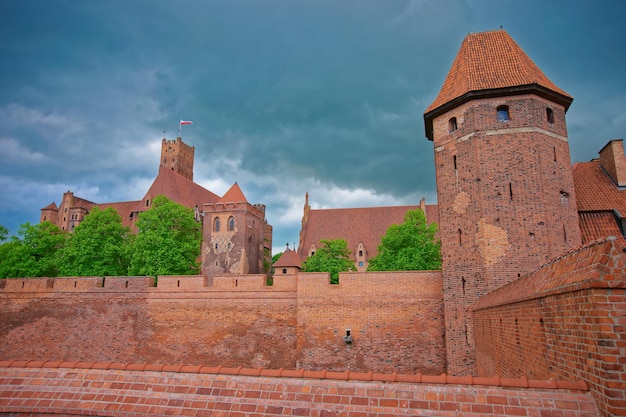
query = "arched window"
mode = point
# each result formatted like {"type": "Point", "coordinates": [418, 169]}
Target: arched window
{"type": "Point", "coordinates": [503, 113]}
{"type": "Point", "coordinates": [550, 115]}
{"type": "Point", "coordinates": [216, 224]}
{"type": "Point", "coordinates": [231, 223]}
{"type": "Point", "coordinates": [452, 124]}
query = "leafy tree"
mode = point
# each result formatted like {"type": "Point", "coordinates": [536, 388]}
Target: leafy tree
{"type": "Point", "coordinates": [98, 246]}
{"type": "Point", "coordinates": [409, 246]}
{"type": "Point", "coordinates": [333, 257]}
{"type": "Point", "coordinates": [276, 257]}
{"type": "Point", "coordinates": [4, 233]}
{"type": "Point", "coordinates": [34, 253]}
{"type": "Point", "coordinates": [168, 241]}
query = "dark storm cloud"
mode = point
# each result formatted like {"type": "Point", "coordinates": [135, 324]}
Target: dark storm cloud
{"type": "Point", "coordinates": [286, 96]}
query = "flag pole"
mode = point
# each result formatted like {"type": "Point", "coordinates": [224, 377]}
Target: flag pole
{"type": "Point", "coordinates": [180, 124]}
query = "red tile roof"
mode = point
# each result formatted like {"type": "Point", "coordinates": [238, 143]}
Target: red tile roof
{"type": "Point", "coordinates": [595, 190]}
{"type": "Point", "coordinates": [596, 225]}
{"type": "Point", "coordinates": [490, 60]}
{"type": "Point", "coordinates": [367, 225]}
{"type": "Point", "coordinates": [180, 189]}
{"type": "Point", "coordinates": [486, 63]}
{"type": "Point", "coordinates": [598, 199]}
{"type": "Point", "coordinates": [289, 258]}
{"type": "Point", "coordinates": [233, 195]}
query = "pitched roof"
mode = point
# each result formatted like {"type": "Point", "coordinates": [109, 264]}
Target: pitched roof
{"type": "Point", "coordinates": [597, 200]}
{"type": "Point", "coordinates": [289, 258]}
{"type": "Point", "coordinates": [492, 63]}
{"type": "Point", "coordinates": [233, 195]}
{"type": "Point", "coordinates": [595, 225]}
{"type": "Point", "coordinates": [595, 190]}
{"type": "Point", "coordinates": [180, 189]}
{"type": "Point", "coordinates": [354, 225]}
{"type": "Point", "coordinates": [51, 206]}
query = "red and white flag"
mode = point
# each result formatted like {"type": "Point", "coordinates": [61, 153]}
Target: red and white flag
{"type": "Point", "coordinates": [186, 122]}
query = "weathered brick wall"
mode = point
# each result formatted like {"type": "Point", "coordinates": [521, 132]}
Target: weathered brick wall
{"type": "Point", "coordinates": [113, 389]}
{"type": "Point", "coordinates": [565, 321]}
{"type": "Point", "coordinates": [506, 204]}
{"type": "Point", "coordinates": [396, 322]}
{"type": "Point", "coordinates": [229, 321]}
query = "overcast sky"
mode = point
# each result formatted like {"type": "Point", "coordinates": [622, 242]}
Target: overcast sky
{"type": "Point", "coordinates": [286, 96]}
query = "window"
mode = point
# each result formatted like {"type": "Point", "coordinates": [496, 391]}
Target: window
{"type": "Point", "coordinates": [452, 124]}
{"type": "Point", "coordinates": [284, 270]}
{"type": "Point", "coordinates": [360, 263]}
{"type": "Point", "coordinates": [550, 115]}
{"type": "Point", "coordinates": [216, 224]}
{"type": "Point", "coordinates": [231, 223]}
{"type": "Point", "coordinates": [503, 113]}
{"type": "Point", "coordinates": [360, 253]}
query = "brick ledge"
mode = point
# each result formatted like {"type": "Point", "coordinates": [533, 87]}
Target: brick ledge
{"type": "Point", "coordinates": [300, 373]}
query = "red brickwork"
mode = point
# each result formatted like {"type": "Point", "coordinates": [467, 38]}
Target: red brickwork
{"type": "Point", "coordinates": [506, 204]}
{"type": "Point", "coordinates": [299, 322]}
{"type": "Point", "coordinates": [116, 389]}
{"type": "Point", "coordinates": [565, 321]}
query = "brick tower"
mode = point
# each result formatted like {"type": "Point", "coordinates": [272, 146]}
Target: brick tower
{"type": "Point", "coordinates": [177, 156]}
{"type": "Point", "coordinates": [236, 236]}
{"type": "Point", "coordinates": [504, 180]}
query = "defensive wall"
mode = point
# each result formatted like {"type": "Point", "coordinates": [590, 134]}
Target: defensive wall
{"type": "Point", "coordinates": [566, 320]}
{"type": "Point", "coordinates": [396, 321]}
{"type": "Point", "coordinates": [123, 390]}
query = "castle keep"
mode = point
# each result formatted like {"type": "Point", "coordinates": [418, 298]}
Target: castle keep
{"type": "Point", "coordinates": [527, 316]}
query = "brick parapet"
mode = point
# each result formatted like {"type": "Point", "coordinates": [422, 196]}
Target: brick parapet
{"type": "Point", "coordinates": [120, 389]}
{"type": "Point", "coordinates": [599, 264]}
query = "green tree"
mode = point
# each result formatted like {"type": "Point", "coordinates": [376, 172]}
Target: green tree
{"type": "Point", "coordinates": [333, 257]}
{"type": "Point", "coordinates": [276, 257]}
{"type": "Point", "coordinates": [98, 246]}
{"type": "Point", "coordinates": [4, 233]}
{"type": "Point", "coordinates": [409, 246]}
{"type": "Point", "coordinates": [168, 241]}
{"type": "Point", "coordinates": [34, 253]}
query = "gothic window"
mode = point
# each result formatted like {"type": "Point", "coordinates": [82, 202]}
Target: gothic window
{"type": "Point", "coordinates": [550, 115]}
{"type": "Point", "coordinates": [503, 113]}
{"type": "Point", "coordinates": [452, 124]}
{"type": "Point", "coordinates": [231, 223]}
{"type": "Point", "coordinates": [216, 224]}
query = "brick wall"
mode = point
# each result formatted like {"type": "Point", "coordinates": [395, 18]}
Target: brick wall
{"type": "Point", "coordinates": [114, 389]}
{"type": "Point", "coordinates": [298, 322]}
{"type": "Point", "coordinates": [506, 204]}
{"type": "Point", "coordinates": [565, 321]}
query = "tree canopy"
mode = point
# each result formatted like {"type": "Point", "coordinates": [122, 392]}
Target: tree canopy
{"type": "Point", "coordinates": [168, 241]}
{"type": "Point", "coordinates": [409, 246]}
{"type": "Point", "coordinates": [34, 253]}
{"type": "Point", "coordinates": [333, 257]}
{"type": "Point", "coordinates": [97, 247]}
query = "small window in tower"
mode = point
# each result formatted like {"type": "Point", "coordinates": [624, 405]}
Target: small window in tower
{"type": "Point", "coordinates": [550, 115]}
{"type": "Point", "coordinates": [360, 253]}
{"type": "Point", "coordinates": [147, 203]}
{"type": "Point", "coordinates": [216, 224]}
{"type": "Point", "coordinates": [284, 270]}
{"type": "Point", "coordinates": [360, 263]}
{"type": "Point", "coordinates": [231, 223]}
{"type": "Point", "coordinates": [452, 124]}
{"type": "Point", "coordinates": [503, 113]}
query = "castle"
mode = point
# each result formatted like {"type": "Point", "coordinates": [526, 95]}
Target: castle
{"type": "Point", "coordinates": [531, 295]}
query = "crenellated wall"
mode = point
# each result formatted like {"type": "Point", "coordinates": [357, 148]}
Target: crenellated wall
{"type": "Point", "coordinates": [231, 320]}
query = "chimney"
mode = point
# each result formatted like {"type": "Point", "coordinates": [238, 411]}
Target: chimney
{"type": "Point", "coordinates": [613, 161]}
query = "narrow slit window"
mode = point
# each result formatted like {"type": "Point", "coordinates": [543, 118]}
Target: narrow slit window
{"type": "Point", "coordinates": [511, 191]}
{"type": "Point", "coordinates": [460, 238]}
{"type": "Point", "coordinates": [550, 115]}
